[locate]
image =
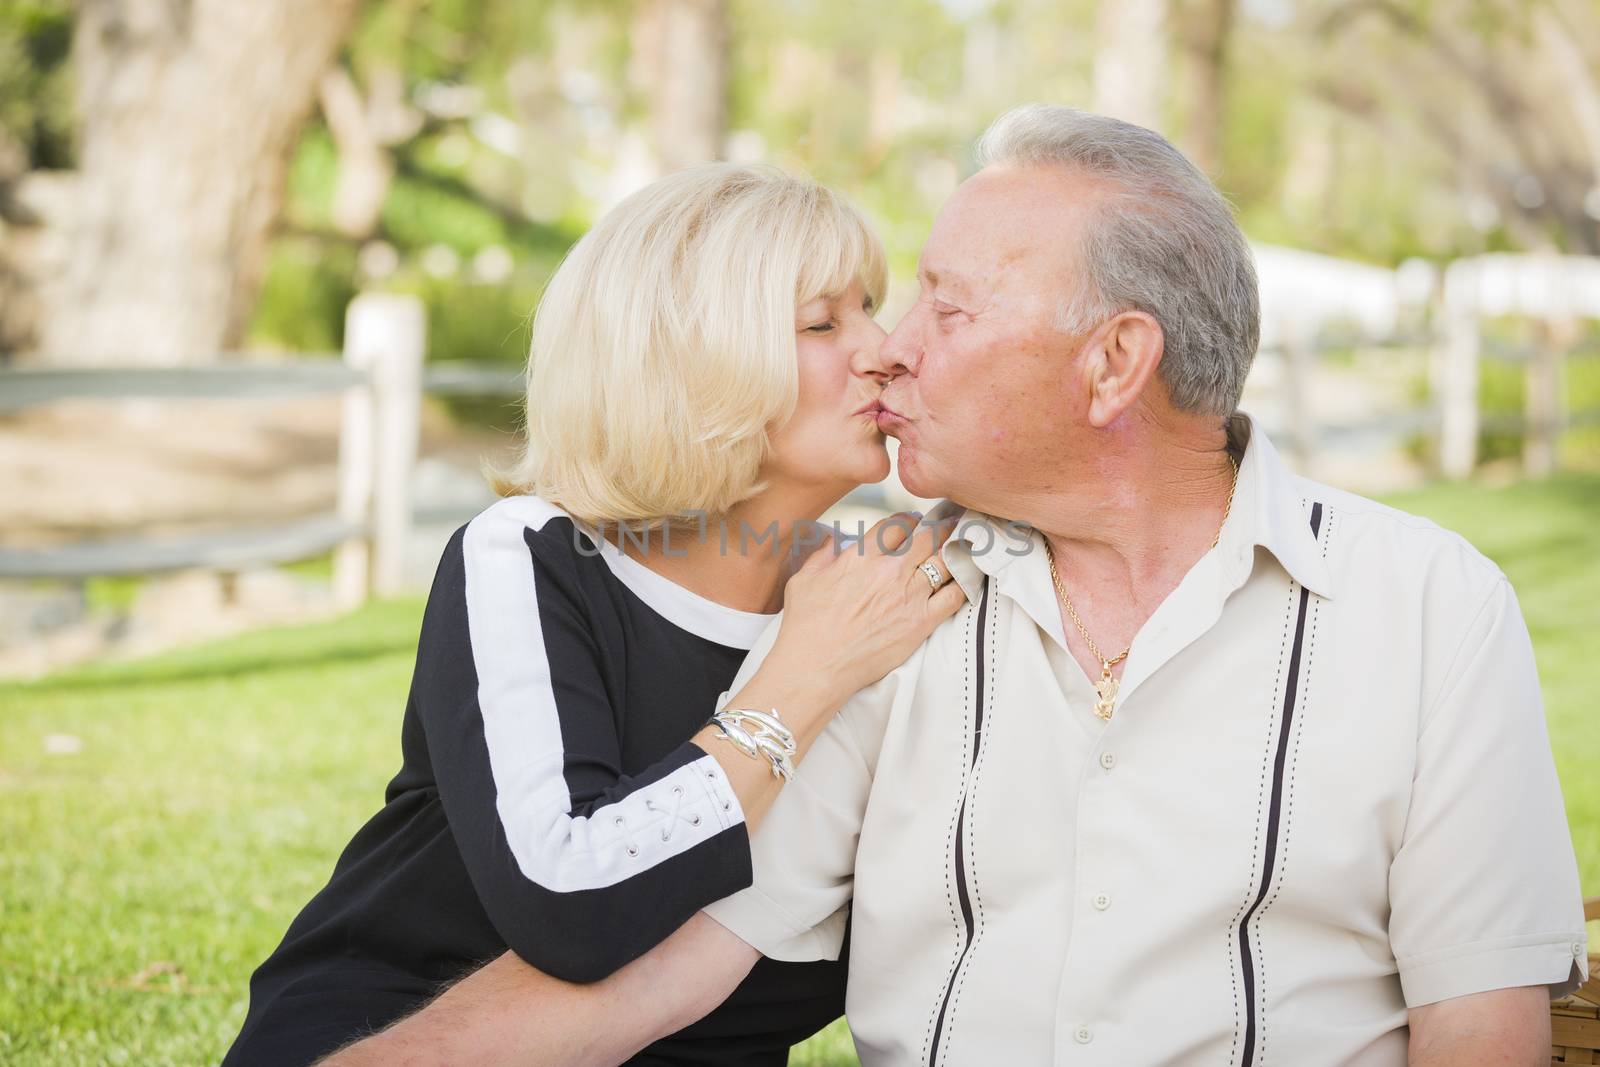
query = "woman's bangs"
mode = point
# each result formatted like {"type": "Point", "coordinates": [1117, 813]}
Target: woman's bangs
{"type": "Point", "coordinates": [842, 251]}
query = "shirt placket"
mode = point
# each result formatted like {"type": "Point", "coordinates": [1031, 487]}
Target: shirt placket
{"type": "Point", "coordinates": [1084, 1011]}
{"type": "Point", "coordinates": [1089, 1018]}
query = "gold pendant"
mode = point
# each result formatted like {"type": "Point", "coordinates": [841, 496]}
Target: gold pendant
{"type": "Point", "coordinates": [1107, 688]}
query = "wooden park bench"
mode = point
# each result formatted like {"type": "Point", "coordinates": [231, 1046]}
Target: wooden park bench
{"type": "Point", "coordinates": [1575, 1019]}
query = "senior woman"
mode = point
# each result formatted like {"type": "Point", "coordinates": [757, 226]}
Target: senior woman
{"type": "Point", "coordinates": [700, 388]}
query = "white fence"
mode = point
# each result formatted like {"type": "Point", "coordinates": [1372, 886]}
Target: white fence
{"type": "Point", "coordinates": [382, 378]}
{"type": "Point", "coordinates": [1310, 304]}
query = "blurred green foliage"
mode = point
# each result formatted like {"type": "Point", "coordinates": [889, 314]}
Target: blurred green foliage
{"type": "Point", "coordinates": [307, 285]}
{"type": "Point", "coordinates": [35, 82]}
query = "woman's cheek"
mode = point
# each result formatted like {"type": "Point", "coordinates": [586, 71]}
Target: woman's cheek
{"type": "Point", "coordinates": [817, 374]}
{"type": "Point", "coordinates": [809, 357]}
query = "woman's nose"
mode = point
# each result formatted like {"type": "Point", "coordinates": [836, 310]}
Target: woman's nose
{"type": "Point", "coordinates": [866, 361]}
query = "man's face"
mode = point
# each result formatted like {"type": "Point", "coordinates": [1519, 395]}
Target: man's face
{"type": "Point", "coordinates": [982, 397]}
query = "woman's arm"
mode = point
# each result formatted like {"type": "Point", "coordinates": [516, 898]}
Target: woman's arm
{"type": "Point", "coordinates": [579, 866]}
{"type": "Point", "coordinates": [509, 1013]}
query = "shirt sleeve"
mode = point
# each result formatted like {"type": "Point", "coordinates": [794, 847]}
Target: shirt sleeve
{"type": "Point", "coordinates": [580, 866]}
{"type": "Point", "coordinates": [1484, 887]}
{"type": "Point", "coordinates": [803, 856]}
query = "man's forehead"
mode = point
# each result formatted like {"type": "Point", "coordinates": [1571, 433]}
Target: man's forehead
{"type": "Point", "coordinates": [1001, 216]}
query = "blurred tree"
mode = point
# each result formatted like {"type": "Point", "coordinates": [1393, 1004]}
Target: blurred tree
{"type": "Point", "coordinates": [186, 116]}
{"type": "Point", "coordinates": [1201, 29]}
{"type": "Point", "coordinates": [35, 134]}
{"type": "Point", "coordinates": [452, 135]}
{"type": "Point", "coordinates": [679, 65]}
{"type": "Point", "coordinates": [461, 145]}
{"type": "Point", "coordinates": [1502, 92]}
{"type": "Point", "coordinates": [364, 126]}
{"type": "Point", "coordinates": [1130, 61]}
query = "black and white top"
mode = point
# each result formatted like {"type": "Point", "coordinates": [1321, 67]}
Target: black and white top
{"type": "Point", "coordinates": [549, 802]}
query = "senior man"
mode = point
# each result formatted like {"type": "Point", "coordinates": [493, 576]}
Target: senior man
{"type": "Point", "coordinates": [1218, 765]}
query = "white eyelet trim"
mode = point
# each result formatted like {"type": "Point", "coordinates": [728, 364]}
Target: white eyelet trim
{"type": "Point", "coordinates": [621, 824]}
{"type": "Point", "coordinates": [673, 814]}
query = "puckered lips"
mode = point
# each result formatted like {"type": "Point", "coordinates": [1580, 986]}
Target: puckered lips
{"type": "Point", "coordinates": [887, 417]}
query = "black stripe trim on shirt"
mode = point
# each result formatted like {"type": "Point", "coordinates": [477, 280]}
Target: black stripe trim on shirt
{"type": "Point", "coordinates": [1291, 691]}
{"type": "Point", "coordinates": [961, 819]}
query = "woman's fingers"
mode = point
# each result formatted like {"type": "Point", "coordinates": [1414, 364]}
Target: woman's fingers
{"type": "Point", "coordinates": [820, 556]}
{"type": "Point", "coordinates": [858, 618]}
{"type": "Point", "coordinates": [889, 533]}
{"type": "Point", "coordinates": [946, 601]}
{"type": "Point", "coordinates": [937, 533]}
{"type": "Point", "coordinates": [920, 576]}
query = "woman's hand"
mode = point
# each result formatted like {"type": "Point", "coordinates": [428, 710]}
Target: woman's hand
{"type": "Point", "coordinates": [851, 614]}
{"type": "Point", "coordinates": [854, 612]}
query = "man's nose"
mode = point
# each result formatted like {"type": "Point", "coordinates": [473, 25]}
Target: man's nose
{"type": "Point", "coordinates": [866, 360]}
{"type": "Point", "coordinates": [902, 349]}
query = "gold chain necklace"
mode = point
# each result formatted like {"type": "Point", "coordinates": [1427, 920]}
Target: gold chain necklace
{"type": "Point", "coordinates": [1106, 687]}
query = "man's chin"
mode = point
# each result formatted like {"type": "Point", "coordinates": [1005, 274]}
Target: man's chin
{"type": "Point", "coordinates": [915, 479]}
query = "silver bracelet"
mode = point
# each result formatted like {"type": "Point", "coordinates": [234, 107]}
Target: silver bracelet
{"type": "Point", "coordinates": [759, 735]}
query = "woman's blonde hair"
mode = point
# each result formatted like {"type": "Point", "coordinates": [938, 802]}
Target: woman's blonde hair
{"type": "Point", "coordinates": [663, 349]}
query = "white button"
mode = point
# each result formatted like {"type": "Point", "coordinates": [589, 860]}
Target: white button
{"type": "Point", "coordinates": [1577, 950]}
{"type": "Point", "coordinates": [1107, 760]}
{"type": "Point", "coordinates": [1102, 901]}
{"type": "Point", "coordinates": [1083, 1035]}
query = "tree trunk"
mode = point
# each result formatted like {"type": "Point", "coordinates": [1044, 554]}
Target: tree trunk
{"type": "Point", "coordinates": [681, 66]}
{"type": "Point", "coordinates": [365, 166]}
{"type": "Point", "coordinates": [1202, 30]}
{"type": "Point", "coordinates": [188, 113]}
{"type": "Point", "coordinates": [1131, 61]}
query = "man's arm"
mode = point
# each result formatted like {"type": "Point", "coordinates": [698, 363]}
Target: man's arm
{"type": "Point", "coordinates": [1483, 889]}
{"type": "Point", "coordinates": [510, 1013]}
{"type": "Point", "coordinates": [1503, 1028]}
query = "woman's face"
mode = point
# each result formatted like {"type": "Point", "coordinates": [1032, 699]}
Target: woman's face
{"type": "Point", "coordinates": [833, 438]}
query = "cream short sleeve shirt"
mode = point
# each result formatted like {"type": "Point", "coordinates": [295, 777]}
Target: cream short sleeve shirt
{"type": "Point", "coordinates": [1326, 795]}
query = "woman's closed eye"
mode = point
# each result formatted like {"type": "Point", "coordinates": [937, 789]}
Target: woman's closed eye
{"type": "Point", "coordinates": [821, 327]}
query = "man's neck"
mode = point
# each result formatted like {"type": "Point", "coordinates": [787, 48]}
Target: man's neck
{"type": "Point", "coordinates": [1129, 519]}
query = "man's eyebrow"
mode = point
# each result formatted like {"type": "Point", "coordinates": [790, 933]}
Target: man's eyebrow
{"type": "Point", "coordinates": [950, 278]}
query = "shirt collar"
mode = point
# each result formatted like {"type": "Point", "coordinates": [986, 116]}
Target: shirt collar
{"type": "Point", "coordinates": [963, 552]}
{"type": "Point", "coordinates": [1268, 510]}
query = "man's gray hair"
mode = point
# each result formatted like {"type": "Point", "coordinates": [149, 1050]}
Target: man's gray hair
{"type": "Point", "coordinates": [1162, 241]}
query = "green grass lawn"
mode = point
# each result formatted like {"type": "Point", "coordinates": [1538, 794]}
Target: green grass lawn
{"type": "Point", "coordinates": [143, 876]}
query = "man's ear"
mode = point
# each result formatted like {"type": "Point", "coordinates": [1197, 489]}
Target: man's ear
{"type": "Point", "coordinates": [1128, 353]}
